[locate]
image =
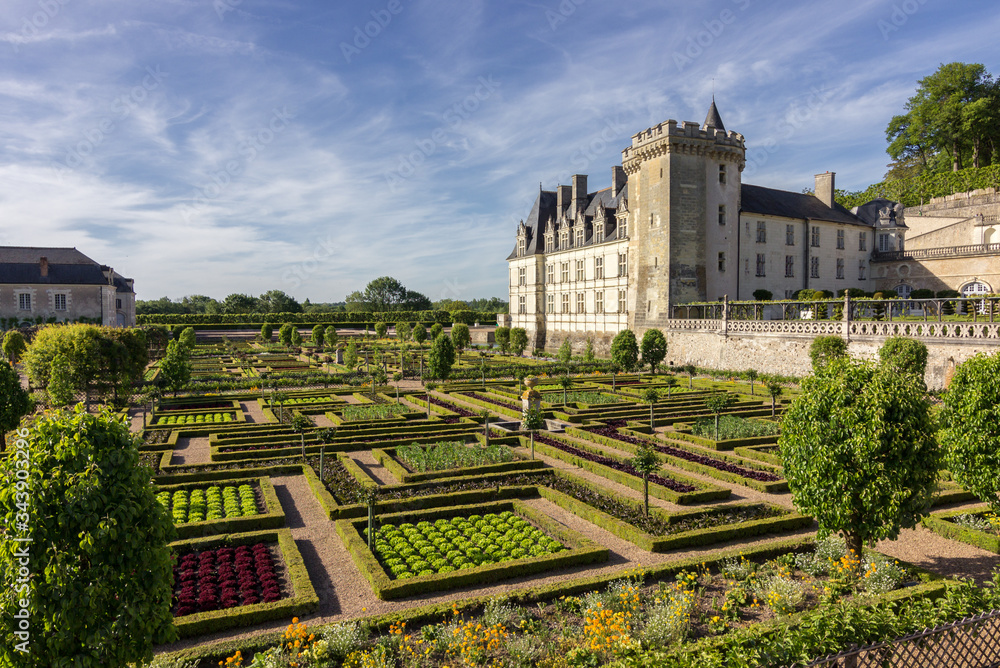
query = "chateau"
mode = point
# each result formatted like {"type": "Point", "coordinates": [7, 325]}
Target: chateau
{"type": "Point", "coordinates": [678, 225]}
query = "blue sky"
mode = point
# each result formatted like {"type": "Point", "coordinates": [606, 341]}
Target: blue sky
{"type": "Point", "coordinates": [218, 146]}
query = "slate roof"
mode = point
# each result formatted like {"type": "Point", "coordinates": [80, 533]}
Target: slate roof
{"type": "Point", "coordinates": [543, 214]}
{"type": "Point", "coordinates": [20, 265]}
{"type": "Point", "coordinates": [772, 202]}
{"type": "Point", "coordinates": [713, 119]}
{"type": "Point", "coordinates": [869, 211]}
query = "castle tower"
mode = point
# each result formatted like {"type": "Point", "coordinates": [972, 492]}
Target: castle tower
{"type": "Point", "coordinates": [684, 203]}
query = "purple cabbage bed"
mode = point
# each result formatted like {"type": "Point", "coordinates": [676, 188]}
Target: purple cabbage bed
{"type": "Point", "coordinates": [490, 400]}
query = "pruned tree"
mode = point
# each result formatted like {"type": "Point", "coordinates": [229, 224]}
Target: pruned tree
{"type": "Point", "coordinates": [460, 336]}
{"type": "Point", "coordinates": [645, 461]}
{"type": "Point", "coordinates": [441, 357]}
{"type": "Point", "coordinates": [654, 348]}
{"type": "Point", "coordinates": [502, 337]}
{"type": "Point", "coordinates": [518, 341]}
{"type": "Point", "coordinates": [825, 349]}
{"type": "Point", "coordinates": [904, 355]}
{"type": "Point", "coordinates": [625, 350]}
{"type": "Point", "coordinates": [719, 404]}
{"type": "Point", "coordinates": [13, 346]}
{"type": "Point", "coordinates": [774, 389]}
{"type": "Point", "coordinates": [859, 452]}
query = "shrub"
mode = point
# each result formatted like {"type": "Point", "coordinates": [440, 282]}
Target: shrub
{"type": "Point", "coordinates": [285, 334]}
{"type": "Point", "coordinates": [15, 402]}
{"type": "Point", "coordinates": [330, 336]}
{"type": "Point", "coordinates": [436, 330]}
{"type": "Point", "coordinates": [381, 329]}
{"type": "Point", "coordinates": [904, 355]}
{"type": "Point", "coordinates": [565, 353]}
{"type": "Point", "coordinates": [460, 337]}
{"type": "Point", "coordinates": [763, 295]}
{"type": "Point", "coordinates": [518, 341]}
{"type": "Point", "coordinates": [625, 350]}
{"type": "Point", "coordinates": [296, 338]}
{"type": "Point", "coordinates": [318, 334]}
{"type": "Point", "coordinates": [13, 346]}
{"type": "Point", "coordinates": [825, 349]}
{"type": "Point", "coordinates": [266, 332]}
{"type": "Point", "coordinates": [502, 337]}
{"type": "Point", "coordinates": [441, 357]}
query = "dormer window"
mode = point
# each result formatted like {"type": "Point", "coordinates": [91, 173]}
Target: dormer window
{"type": "Point", "coordinates": [564, 239]}
{"type": "Point", "coordinates": [579, 237]}
{"type": "Point", "coordinates": [549, 242]}
{"type": "Point", "coordinates": [521, 246]}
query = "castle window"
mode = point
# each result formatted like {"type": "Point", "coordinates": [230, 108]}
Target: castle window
{"type": "Point", "coordinates": [565, 303]}
{"type": "Point", "coordinates": [761, 232]}
{"type": "Point", "coordinates": [550, 273]}
{"type": "Point", "coordinates": [599, 267]}
{"type": "Point", "coordinates": [549, 243]}
{"type": "Point", "coordinates": [862, 270]}
{"type": "Point", "coordinates": [814, 267]}
{"type": "Point", "coordinates": [622, 306]}
{"type": "Point", "coordinates": [599, 301]}
{"type": "Point", "coordinates": [862, 241]}
{"type": "Point", "coordinates": [815, 237]}
{"type": "Point", "coordinates": [623, 228]}
{"type": "Point", "coordinates": [622, 264]}
{"type": "Point", "coordinates": [840, 239]}
{"type": "Point", "coordinates": [722, 174]}
{"type": "Point", "coordinates": [579, 270]}
{"type": "Point", "coordinates": [789, 235]}
{"type": "Point", "coordinates": [903, 290]}
{"type": "Point", "coordinates": [520, 246]}
{"type": "Point", "coordinates": [522, 306]}
{"type": "Point", "coordinates": [761, 260]}
{"type": "Point", "coordinates": [722, 214]}
{"type": "Point", "coordinates": [59, 302]}
{"type": "Point", "coordinates": [900, 242]}
{"type": "Point", "coordinates": [579, 237]}
{"type": "Point", "coordinates": [580, 308]}
{"type": "Point", "coordinates": [722, 261]}
{"type": "Point", "coordinates": [24, 301]}
{"type": "Point", "coordinates": [522, 275]}
{"type": "Point", "coordinates": [564, 272]}
{"type": "Point", "coordinates": [840, 267]}
{"type": "Point", "coordinates": [564, 240]}
{"type": "Point", "coordinates": [789, 266]}
{"type": "Point", "coordinates": [550, 303]}
{"type": "Point", "coordinates": [884, 243]}
{"type": "Point", "coordinates": [974, 289]}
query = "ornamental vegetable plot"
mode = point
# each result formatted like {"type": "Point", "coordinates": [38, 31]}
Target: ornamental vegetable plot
{"type": "Point", "coordinates": [225, 578]}
{"type": "Point", "coordinates": [407, 550]}
{"type": "Point", "coordinates": [214, 503]}
{"type": "Point", "coordinates": [372, 411]}
{"type": "Point", "coordinates": [451, 455]}
{"type": "Point", "coordinates": [195, 419]}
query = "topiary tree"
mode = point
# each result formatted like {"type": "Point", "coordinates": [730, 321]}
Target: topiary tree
{"type": "Point", "coordinates": [441, 357]}
{"type": "Point", "coordinates": [330, 336]}
{"type": "Point", "coordinates": [13, 346]}
{"type": "Point", "coordinates": [719, 404]}
{"type": "Point", "coordinates": [101, 575]}
{"type": "Point", "coordinates": [15, 402]}
{"type": "Point", "coordinates": [428, 388]}
{"type": "Point", "coordinates": [763, 295]}
{"type": "Point", "coordinates": [518, 341]}
{"type": "Point", "coordinates": [318, 335]}
{"type": "Point", "coordinates": [351, 355]}
{"type": "Point", "coordinates": [502, 337]}
{"type": "Point", "coordinates": [752, 375]}
{"type": "Point", "coordinates": [419, 334]}
{"type": "Point", "coordinates": [654, 348]}
{"type": "Point", "coordinates": [436, 330]}
{"type": "Point", "coordinates": [650, 396]}
{"type": "Point", "coordinates": [266, 332]}
{"type": "Point", "coordinates": [671, 382]}
{"type": "Point", "coordinates": [460, 337]}
{"type": "Point", "coordinates": [403, 330]}
{"type": "Point", "coordinates": [774, 390]}
{"type": "Point", "coordinates": [859, 452]}
{"type": "Point", "coordinates": [690, 370]}
{"type": "Point", "coordinates": [189, 338]}
{"type": "Point", "coordinates": [285, 334]}
{"type": "Point", "coordinates": [296, 338]}
{"type": "Point", "coordinates": [565, 382]}
{"type": "Point", "coordinates": [60, 387]}
{"type": "Point", "coordinates": [588, 353]}
{"type": "Point", "coordinates": [381, 329]}
{"type": "Point", "coordinates": [175, 367]}
{"type": "Point", "coordinates": [645, 462]}
{"type": "Point", "coordinates": [825, 349]}
{"type": "Point", "coordinates": [625, 350]}
{"type": "Point", "coordinates": [904, 355]}
{"type": "Point", "coordinates": [532, 420]}
{"type": "Point", "coordinates": [970, 422]}
{"type": "Point", "coordinates": [565, 352]}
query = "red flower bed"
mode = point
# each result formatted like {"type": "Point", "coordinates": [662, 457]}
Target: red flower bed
{"type": "Point", "coordinates": [227, 577]}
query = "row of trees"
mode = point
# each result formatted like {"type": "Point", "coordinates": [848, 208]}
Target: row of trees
{"type": "Point", "coordinates": [272, 301]}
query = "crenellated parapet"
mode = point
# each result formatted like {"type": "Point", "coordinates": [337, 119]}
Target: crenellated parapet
{"type": "Point", "coordinates": [687, 138]}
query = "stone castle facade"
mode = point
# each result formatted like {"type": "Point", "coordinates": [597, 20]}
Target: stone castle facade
{"type": "Point", "coordinates": [678, 225]}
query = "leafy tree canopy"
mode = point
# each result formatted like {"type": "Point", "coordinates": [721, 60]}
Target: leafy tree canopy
{"type": "Point", "coordinates": [625, 350]}
{"type": "Point", "coordinates": [654, 348]}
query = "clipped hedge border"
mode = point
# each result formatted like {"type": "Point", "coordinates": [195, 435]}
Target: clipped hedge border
{"type": "Point", "coordinates": [273, 516]}
{"type": "Point", "coordinates": [582, 551]}
{"type": "Point", "coordinates": [493, 408]}
{"type": "Point", "coordinates": [939, 523]}
{"type": "Point", "coordinates": [178, 475]}
{"type": "Point", "coordinates": [706, 493]}
{"type": "Point", "coordinates": [303, 601]}
{"type": "Point", "coordinates": [951, 493]}
{"type": "Point", "coordinates": [387, 457]}
{"type": "Point", "coordinates": [790, 521]}
{"type": "Point", "coordinates": [209, 655]}
{"type": "Point", "coordinates": [757, 452]}
{"type": "Point", "coordinates": [683, 432]}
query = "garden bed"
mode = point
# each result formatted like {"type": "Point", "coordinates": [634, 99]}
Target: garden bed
{"type": "Point", "coordinates": [401, 460]}
{"type": "Point", "coordinates": [229, 506]}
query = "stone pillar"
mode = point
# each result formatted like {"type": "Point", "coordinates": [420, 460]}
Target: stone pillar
{"type": "Point", "coordinates": [847, 317]}
{"type": "Point", "coordinates": [725, 315]}
{"type": "Point", "coordinates": [532, 398]}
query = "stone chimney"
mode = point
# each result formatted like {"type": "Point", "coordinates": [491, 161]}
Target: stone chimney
{"type": "Point", "coordinates": [580, 191]}
{"type": "Point", "coordinates": [43, 266]}
{"type": "Point", "coordinates": [825, 187]}
{"type": "Point", "coordinates": [563, 194]}
{"type": "Point", "coordinates": [618, 180]}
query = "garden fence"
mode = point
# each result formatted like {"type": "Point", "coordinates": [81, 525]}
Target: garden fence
{"type": "Point", "coordinates": [973, 642]}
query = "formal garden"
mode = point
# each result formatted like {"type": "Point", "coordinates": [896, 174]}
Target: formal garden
{"type": "Point", "coordinates": [330, 498]}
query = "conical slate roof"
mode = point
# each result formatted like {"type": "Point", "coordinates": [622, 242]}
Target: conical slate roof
{"type": "Point", "coordinates": [714, 120]}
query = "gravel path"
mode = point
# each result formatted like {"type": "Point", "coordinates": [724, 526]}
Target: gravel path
{"type": "Point", "coordinates": [371, 466]}
{"type": "Point", "coordinates": [253, 412]}
{"type": "Point", "coordinates": [322, 421]}
{"type": "Point", "coordinates": [192, 451]}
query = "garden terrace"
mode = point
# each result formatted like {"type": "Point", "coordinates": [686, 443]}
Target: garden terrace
{"type": "Point", "coordinates": [574, 549]}
{"type": "Point", "coordinates": [215, 589]}
{"type": "Point", "coordinates": [241, 504]}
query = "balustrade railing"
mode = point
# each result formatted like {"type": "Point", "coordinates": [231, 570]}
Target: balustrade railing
{"type": "Point", "coordinates": [930, 253]}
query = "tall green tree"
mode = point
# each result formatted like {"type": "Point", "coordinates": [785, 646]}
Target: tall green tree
{"type": "Point", "coordinates": [859, 452]}
{"type": "Point", "coordinates": [266, 332]}
{"type": "Point", "coordinates": [518, 341]}
{"type": "Point", "coordinates": [625, 350]}
{"type": "Point", "coordinates": [175, 367]}
{"type": "Point", "coordinates": [970, 424]}
{"type": "Point", "coordinates": [285, 334]}
{"type": "Point", "coordinates": [101, 575]}
{"type": "Point", "coordinates": [13, 346]}
{"type": "Point", "coordinates": [381, 329]}
{"type": "Point", "coordinates": [436, 330]}
{"type": "Point", "coordinates": [330, 336]}
{"type": "Point", "coordinates": [15, 402]}
{"type": "Point", "coordinates": [318, 334]}
{"type": "Point", "coordinates": [419, 333]}
{"type": "Point", "coordinates": [351, 355]}
{"type": "Point", "coordinates": [442, 357]}
{"type": "Point", "coordinates": [276, 301]}
{"type": "Point", "coordinates": [188, 338]}
{"type": "Point", "coordinates": [654, 348]}
{"type": "Point", "coordinates": [565, 352]}
{"type": "Point", "coordinates": [460, 336]}
{"type": "Point", "coordinates": [240, 303]}
{"type": "Point", "coordinates": [502, 337]}
{"type": "Point", "coordinates": [645, 462]}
